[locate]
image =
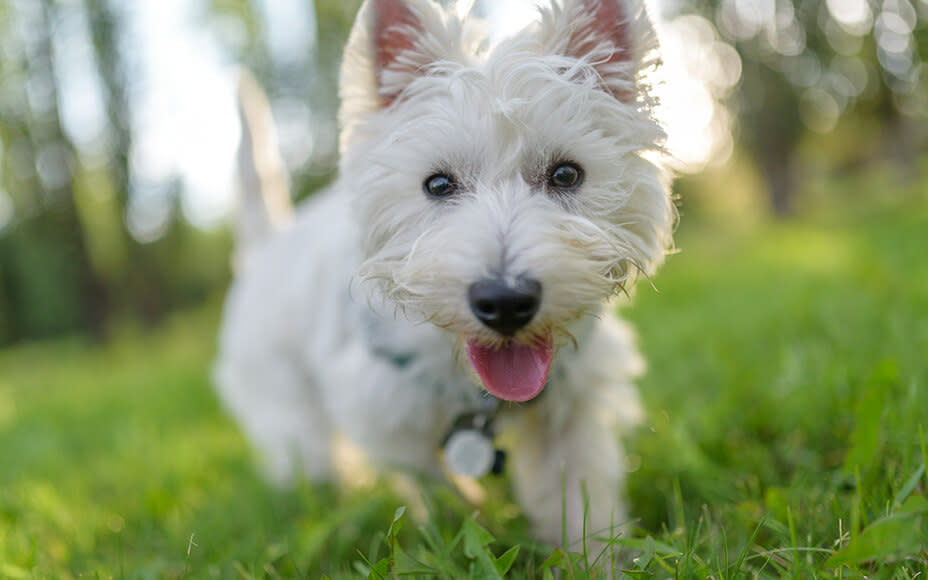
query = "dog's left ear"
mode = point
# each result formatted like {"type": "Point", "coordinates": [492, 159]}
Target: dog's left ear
{"type": "Point", "coordinates": [393, 42]}
{"type": "Point", "coordinates": [611, 35]}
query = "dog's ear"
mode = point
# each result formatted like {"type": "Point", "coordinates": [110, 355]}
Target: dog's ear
{"type": "Point", "coordinates": [611, 35]}
{"type": "Point", "coordinates": [397, 35]}
{"type": "Point", "coordinates": [392, 43]}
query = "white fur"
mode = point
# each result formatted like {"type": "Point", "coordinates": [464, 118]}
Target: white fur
{"type": "Point", "coordinates": [373, 271]}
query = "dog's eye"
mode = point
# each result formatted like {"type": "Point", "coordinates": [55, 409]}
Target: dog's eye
{"type": "Point", "coordinates": [565, 176]}
{"type": "Point", "coordinates": [440, 185]}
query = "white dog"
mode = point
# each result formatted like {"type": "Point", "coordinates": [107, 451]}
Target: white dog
{"type": "Point", "coordinates": [445, 297]}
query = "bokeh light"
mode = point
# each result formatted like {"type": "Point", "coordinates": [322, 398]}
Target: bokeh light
{"type": "Point", "coordinates": [699, 72]}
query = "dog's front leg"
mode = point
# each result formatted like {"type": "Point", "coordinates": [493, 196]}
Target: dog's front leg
{"type": "Point", "coordinates": [560, 458]}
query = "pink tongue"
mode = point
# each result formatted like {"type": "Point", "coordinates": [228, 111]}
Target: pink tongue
{"type": "Point", "coordinates": [515, 372]}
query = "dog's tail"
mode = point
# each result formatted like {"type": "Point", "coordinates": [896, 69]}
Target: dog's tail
{"type": "Point", "coordinates": [264, 201]}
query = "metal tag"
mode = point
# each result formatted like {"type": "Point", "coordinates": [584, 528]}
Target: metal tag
{"type": "Point", "coordinates": [470, 452]}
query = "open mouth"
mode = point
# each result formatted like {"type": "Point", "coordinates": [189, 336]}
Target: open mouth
{"type": "Point", "coordinates": [513, 372]}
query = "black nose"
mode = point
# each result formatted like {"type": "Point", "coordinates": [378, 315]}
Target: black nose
{"type": "Point", "coordinates": [504, 308]}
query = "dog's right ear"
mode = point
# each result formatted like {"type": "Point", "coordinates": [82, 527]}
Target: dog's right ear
{"type": "Point", "coordinates": [391, 44]}
{"type": "Point", "coordinates": [397, 36]}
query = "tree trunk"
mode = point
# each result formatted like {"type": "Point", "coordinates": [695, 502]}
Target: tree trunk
{"type": "Point", "coordinates": [779, 171]}
{"type": "Point", "coordinates": [95, 298]}
{"type": "Point", "coordinates": [141, 279]}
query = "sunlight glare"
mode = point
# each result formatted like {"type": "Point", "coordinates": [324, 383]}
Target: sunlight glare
{"type": "Point", "coordinates": [187, 122]}
{"type": "Point", "coordinates": [507, 17]}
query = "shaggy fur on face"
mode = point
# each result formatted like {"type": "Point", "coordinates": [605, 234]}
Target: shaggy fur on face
{"type": "Point", "coordinates": [304, 359]}
{"type": "Point", "coordinates": [497, 122]}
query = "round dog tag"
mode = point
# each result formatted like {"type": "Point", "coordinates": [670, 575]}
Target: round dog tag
{"type": "Point", "coordinates": [469, 452]}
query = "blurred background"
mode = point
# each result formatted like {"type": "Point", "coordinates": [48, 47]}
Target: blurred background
{"type": "Point", "coordinates": [118, 128]}
{"type": "Point", "coordinates": [786, 400]}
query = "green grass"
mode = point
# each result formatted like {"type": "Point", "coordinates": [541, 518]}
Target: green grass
{"type": "Point", "coordinates": [787, 399]}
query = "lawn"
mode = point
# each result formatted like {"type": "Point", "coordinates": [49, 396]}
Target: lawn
{"type": "Point", "coordinates": [786, 433]}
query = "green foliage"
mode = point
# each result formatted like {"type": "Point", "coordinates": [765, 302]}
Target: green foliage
{"type": "Point", "coordinates": [785, 438]}
{"type": "Point", "coordinates": [467, 555]}
{"type": "Point", "coordinates": [41, 280]}
{"type": "Point", "coordinates": [897, 535]}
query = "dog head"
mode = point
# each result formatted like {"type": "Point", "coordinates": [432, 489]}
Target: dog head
{"type": "Point", "coordinates": [503, 194]}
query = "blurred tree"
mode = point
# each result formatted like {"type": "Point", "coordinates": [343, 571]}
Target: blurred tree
{"type": "Point", "coordinates": [68, 261]}
{"type": "Point", "coordinates": [300, 86]}
{"type": "Point", "coordinates": [44, 263]}
{"type": "Point", "coordinates": [240, 27]}
{"type": "Point", "coordinates": [141, 280]}
{"type": "Point", "coordinates": [807, 63]}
